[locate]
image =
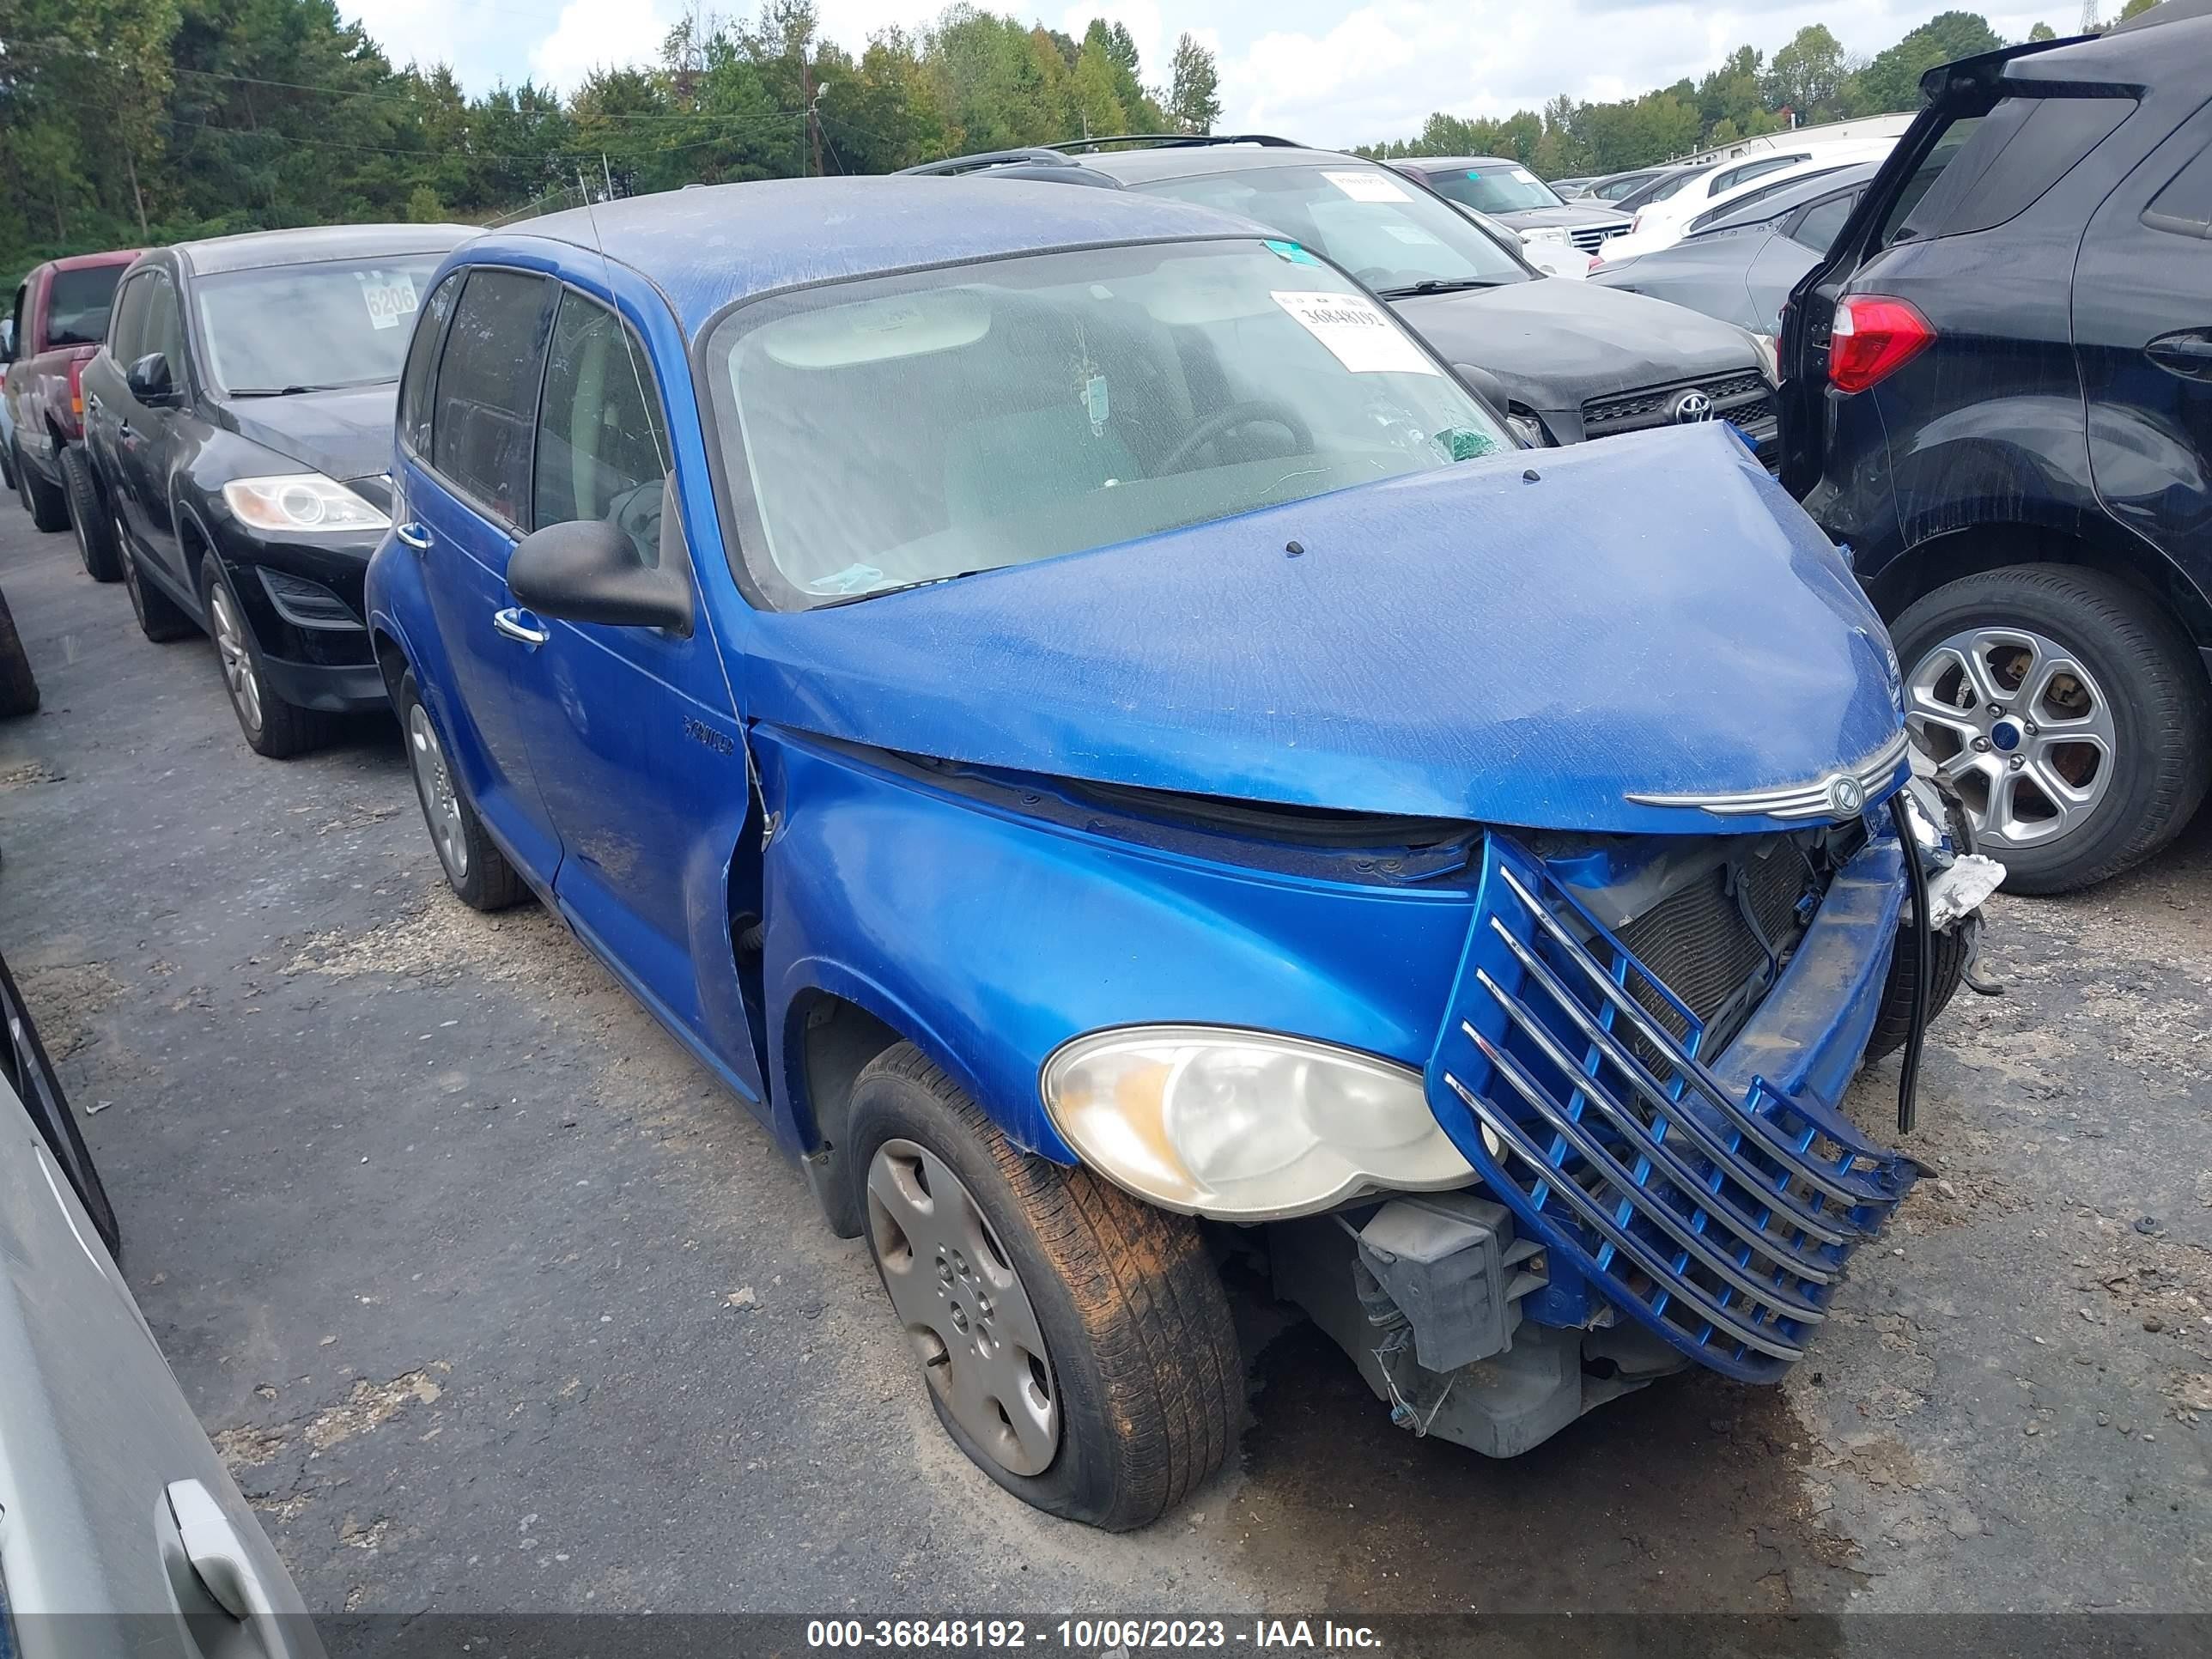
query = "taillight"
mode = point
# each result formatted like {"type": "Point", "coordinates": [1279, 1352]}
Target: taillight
{"type": "Point", "coordinates": [76, 386]}
{"type": "Point", "coordinates": [1636, 224]}
{"type": "Point", "coordinates": [1872, 338]}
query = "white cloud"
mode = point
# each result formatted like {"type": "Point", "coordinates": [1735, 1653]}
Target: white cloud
{"type": "Point", "coordinates": [1308, 69]}
{"type": "Point", "coordinates": [600, 34]}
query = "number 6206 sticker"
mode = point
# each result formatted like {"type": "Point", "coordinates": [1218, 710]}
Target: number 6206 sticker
{"type": "Point", "coordinates": [391, 300]}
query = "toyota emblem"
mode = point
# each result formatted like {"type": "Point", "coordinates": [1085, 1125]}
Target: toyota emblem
{"type": "Point", "coordinates": [1693, 407]}
{"type": "Point", "coordinates": [1846, 798]}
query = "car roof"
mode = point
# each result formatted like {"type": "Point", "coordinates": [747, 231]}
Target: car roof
{"type": "Point", "coordinates": [1793, 195]}
{"type": "Point", "coordinates": [705, 248]}
{"type": "Point", "coordinates": [1138, 166]}
{"type": "Point", "coordinates": [1446, 163]}
{"type": "Point", "coordinates": [93, 261]}
{"type": "Point", "coordinates": [254, 249]}
{"type": "Point", "coordinates": [2166, 45]}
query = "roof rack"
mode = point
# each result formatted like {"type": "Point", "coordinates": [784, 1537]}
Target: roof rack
{"type": "Point", "coordinates": [1032, 156]}
{"type": "Point", "coordinates": [1176, 141]}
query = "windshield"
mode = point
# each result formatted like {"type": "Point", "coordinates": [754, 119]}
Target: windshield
{"type": "Point", "coordinates": [311, 327]}
{"type": "Point", "coordinates": [77, 303]}
{"type": "Point", "coordinates": [914, 428]}
{"type": "Point", "coordinates": [1385, 230]}
{"type": "Point", "coordinates": [1502, 188]}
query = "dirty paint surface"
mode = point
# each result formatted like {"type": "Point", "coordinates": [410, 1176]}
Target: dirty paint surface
{"type": "Point", "coordinates": [494, 1302]}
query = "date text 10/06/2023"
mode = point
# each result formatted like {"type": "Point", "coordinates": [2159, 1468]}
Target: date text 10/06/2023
{"type": "Point", "coordinates": [1091, 1635]}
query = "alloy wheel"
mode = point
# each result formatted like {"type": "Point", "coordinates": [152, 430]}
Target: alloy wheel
{"type": "Point", "coordinates": [956, 1290]}
{"type": "Point", "coordinates": [2021, 726]}
{"type": "Point", "coordinates": [230, 645]}
{"type": "Point", "coordinates": [441, 807]}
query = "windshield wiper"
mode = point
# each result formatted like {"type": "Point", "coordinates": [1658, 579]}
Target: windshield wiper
{"type": "Point", "coordinates": [1440, 285]}
{"type": "Point", "coordinates": [899, 587]}
{"type": "Point", "coordinates": [293, 391]}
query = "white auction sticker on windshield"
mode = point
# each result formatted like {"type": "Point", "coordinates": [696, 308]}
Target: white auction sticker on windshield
{"type": "Point", "coordinates": [1357, 332]}
{"type": "Point", "coordinates": [1364, 186]}
{"type": "Point", "coordinates": [391, 300]}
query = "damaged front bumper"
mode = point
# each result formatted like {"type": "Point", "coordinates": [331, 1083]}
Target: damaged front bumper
{"type": "Point", "coordinates": [1645, 1203]}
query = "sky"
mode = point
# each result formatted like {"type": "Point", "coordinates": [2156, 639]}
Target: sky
{"type": "Point", "coordinates": [1322, 71]}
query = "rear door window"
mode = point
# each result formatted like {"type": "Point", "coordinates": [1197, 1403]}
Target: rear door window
{"type": "Point", "coordinates": [415, 400]}
{"type": "Point", "coordinates": [486, 389]}
{"type": "Point", "coordinates": [1818, 226]}
{"type": "Point", "coordinates": [77, 303]}
{"type": "Point", "coordinates": [1729, 178]}
{"type": "Point", "coordinates": [2185, 206]}
{"type": "Point", "coordinates": [1988, 170]}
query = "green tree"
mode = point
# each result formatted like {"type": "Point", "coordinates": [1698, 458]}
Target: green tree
{"type": "Point", "coordinates": [2134, 9]}
{"type": "Point", "coordinates": [1806, 75]}
{"type": "Point", "coordinates": [1194, 87]}
{"type": "Point", "coordinates": [1892, 80]}
{"type": "Point", "coordinates": [2042, 32]}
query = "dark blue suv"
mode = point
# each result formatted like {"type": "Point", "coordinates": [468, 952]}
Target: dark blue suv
{"type": "Point", "coordinates": [1067, 709]}
{"type": "Point", "coordinates": [1998, 391]}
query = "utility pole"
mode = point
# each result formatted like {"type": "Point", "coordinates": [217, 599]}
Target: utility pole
{"type": "Point", "coordinates": [608, 174]}
{"type": "Point", "coordinates": [805, 112]}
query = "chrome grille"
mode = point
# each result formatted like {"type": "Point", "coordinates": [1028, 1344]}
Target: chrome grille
{"type": "Point", "coordinates": [1587, 237]}
{"type": "Point", "coordinates": [1743, 398]}
{"type": "Point", "coordinates": [1720, 1221]}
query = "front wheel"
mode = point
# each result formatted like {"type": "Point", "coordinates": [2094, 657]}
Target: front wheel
{"type": "Point", "coordinates": [19, 690]}
{"type": "Point", "coordinates": [273, 727]}
{"type": "Point", "coordinates": [1075, 1342]}
{"type": "Point", "coordinates": [2069, 712]}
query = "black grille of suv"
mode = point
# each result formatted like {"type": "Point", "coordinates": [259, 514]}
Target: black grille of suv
{"type": "Point", "coordinates": [1744, 398]}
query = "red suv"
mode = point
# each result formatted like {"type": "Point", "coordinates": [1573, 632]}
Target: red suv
{"type": "Point", "coordinates": [60, 317]}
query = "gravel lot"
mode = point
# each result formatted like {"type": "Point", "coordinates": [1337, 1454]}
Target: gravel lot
{"type": "Point", "coordinates": [496, 1303]}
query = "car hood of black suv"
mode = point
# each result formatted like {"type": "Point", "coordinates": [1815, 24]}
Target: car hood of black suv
{"type": "Point", "coordinates": [1569, 216]}
{"type": "Point", "coordinates": [344, 434]}
{"type": "Point", "coordinates": [1553, 346]}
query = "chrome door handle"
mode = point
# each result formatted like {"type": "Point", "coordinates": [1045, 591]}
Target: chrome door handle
{"type": "Point", "coordinates": [412, 535]}
{"type": "Point", "coordinates": [519, 625]}
{"type": "Point", "coordinates": [217, 1554]}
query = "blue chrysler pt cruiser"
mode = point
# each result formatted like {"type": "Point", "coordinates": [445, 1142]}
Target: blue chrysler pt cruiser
{"type": "Point", "coordinates": [1072, 712]}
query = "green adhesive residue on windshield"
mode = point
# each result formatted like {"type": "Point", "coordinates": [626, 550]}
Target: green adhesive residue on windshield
{"type": "Point", "coordinates": [1464, 443]}
{"type": "Point", "coordinates": [1292, 252]}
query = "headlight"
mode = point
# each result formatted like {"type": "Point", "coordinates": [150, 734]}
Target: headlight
{"type": "Point", "coordinates": [1244, 1126]}
{"type": "Point", "coordinates": [299, 500]}
{"type": "Point", "coordinates": [1527, 428]}
{"type": "Point", "coordinates": [1549, 234]}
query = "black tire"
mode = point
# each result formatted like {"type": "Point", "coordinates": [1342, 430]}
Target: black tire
{"type": "Point", "coordinates": [1143, 1358]}
{"type": "Point", "coordinates": [88, 517]}
{"type": "Point", "coordinates": [273, 728]}
{"type": "Point", "coordinates": [19, 688]}
{"type": "Point", "coordinates": [1894, 1023]}
{"type": "Point", "coordinates": [45, 502]}
{"type": "Point", "coordinates": [161, 619]}
{"type": "Point", "coordinates": [2155, 686]}
{"type": "Point", "coordinates": [8, 465]}
{"type": "Point", "coordinates": [484, 879]}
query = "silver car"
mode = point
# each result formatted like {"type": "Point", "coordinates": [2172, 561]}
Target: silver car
{"type": "Point", "coordinates": [120, 1531]}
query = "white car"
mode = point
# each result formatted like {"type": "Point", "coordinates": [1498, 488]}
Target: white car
{"type": "Point", "coordinates": [1662, 224]}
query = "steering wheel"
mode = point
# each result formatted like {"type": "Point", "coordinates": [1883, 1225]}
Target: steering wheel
{"type": "Point", "coordinates": [1256, 412]}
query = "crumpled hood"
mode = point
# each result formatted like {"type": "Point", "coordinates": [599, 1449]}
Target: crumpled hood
{"type": "Point", "coordinates": [343, 434]}
{"type": "Point", "coordinates": [1553, 345]}
{"type": "Point", "coordinates": [1652, 614]}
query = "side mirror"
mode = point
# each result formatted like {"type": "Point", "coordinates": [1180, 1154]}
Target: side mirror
{"type": "Point", "coordinates": [150, 381]}
{"type": "Point", "coordinates": [588, 570]}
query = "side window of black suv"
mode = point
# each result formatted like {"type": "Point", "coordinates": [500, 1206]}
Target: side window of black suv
{"type": "Point", "coordinates": [1986, 170]}
{"type": "Point", "coordinates": [2185, 206]}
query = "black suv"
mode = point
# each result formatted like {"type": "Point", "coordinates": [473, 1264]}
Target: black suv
{"type": "Point", "coordinates": [1562, 360]}
{"type": "Point", "coordinates": [240, 423]}
{"type": "Point", "coordinates": [1997, 390]}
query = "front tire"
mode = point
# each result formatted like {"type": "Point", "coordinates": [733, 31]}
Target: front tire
{"type": "Point", "coordinates": [2070, 711]}
{"type": "Point", "coordinates": [89, 519]}
{"type": "Point", "coordinates": [475, 869]}
{"type": "Point", "coordinates": [989, 1255]}
{"type": "Point", "coordinates": [19, 690]}
{"type": "Point", "coordinates": [274, 728]}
